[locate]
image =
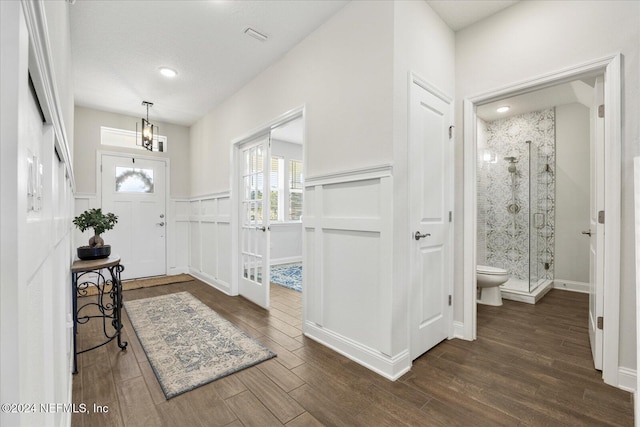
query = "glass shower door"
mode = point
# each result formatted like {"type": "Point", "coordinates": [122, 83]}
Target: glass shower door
{"type": "Point", "coordinates": [541, 216]}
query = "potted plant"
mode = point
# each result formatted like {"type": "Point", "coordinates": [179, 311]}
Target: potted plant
{"type": "Point", "coordinates": [100, 222]}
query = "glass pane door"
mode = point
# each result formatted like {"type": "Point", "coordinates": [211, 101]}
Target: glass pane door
{"type": "Point", "coordinates": [254, 222]}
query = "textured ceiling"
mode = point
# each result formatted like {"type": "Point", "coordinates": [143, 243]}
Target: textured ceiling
{"type": "Point", "coordinates": [118, 46]}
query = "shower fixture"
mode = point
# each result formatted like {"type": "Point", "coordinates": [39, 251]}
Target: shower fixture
{"type": "Point", "coordinates": [512, 163]}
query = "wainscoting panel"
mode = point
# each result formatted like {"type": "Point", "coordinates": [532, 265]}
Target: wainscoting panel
{"type": "Point", "coordinates": [348, 223]}
{"type": "Point", "coordinates": [210, 234]}
{"type": "Point", "coordinates": [195, 252]}
{"type": "Point", "coordinates": [83, 202]}
{"type": "Point", "coordinates": [178, 237]}
{"type": "Point", "coordinates": [351, 282]}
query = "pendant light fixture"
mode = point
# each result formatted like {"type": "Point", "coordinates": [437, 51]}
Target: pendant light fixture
{"type": "Point", "coordinates": [149, 130]}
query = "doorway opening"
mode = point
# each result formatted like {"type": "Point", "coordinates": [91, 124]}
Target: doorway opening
{"type": "Point", "coordinates": [609, 181]}
{"type": "Point", "coordinates": [268, 192]}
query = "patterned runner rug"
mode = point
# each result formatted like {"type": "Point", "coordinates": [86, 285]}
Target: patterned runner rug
{"type": "Point", "coordinates": [287, 275]}
{"type": "Point", "coordinates": [188, 344]}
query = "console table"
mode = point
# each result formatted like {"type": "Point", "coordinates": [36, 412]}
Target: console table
{"type": "Point", "coordinates": [106, 305]}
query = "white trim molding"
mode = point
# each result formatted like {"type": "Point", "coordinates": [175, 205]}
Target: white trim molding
{"type": "Point", "coordinates": [44, 80]}
{"type": "Point", "coordinates": [571, 285]}
{"type": "Point", "coordinates": [627, 379]}
{"type": "Point", "coordinates": [348, 230]}
{"type": "Point", "coordinates": [391, 368]}
{"type": "Point", "coordinates": [234, 153]}
{"type": "Point", "coordinates": [610, 66]}
{"type": "Point", "coordinates": [351, 175]}
{"type": "Point", "coordinates": [209, 239]}
{"type": "Point", "coordinates": [636, 180]}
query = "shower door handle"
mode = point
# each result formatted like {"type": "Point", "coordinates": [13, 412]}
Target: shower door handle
{"type": "Point", "coordinates": [419, 236]}
{"type": "Point", "coordinates": [587, 232]}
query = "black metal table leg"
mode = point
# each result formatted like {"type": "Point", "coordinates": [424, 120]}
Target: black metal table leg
{"type": "Point", "coordinates": [108, 302]}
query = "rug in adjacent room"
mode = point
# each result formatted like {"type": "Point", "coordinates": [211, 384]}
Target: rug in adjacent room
{"type": "Point", "coordinates": [188, 344]}
{"type": "Point", "coordinates": [287, 275]}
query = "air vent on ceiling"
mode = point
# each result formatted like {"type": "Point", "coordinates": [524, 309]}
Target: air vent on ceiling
{"type": "Point", "coordinates": [255, 34]}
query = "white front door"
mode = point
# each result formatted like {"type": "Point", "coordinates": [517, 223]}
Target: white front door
{"type": "Point", "coordinates": [596, 229]}
{"type": "Point", "coordinates": [431, 192]}
{"type": "Point", "coordinates": [135, 190]}
{"type": "Point", "coordinates": [254, 211]}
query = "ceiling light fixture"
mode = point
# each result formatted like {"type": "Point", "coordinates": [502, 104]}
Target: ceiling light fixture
{"type": "Point", "coordinates": [168, 72]}
{"type": "Point", "coordinates": [503, 109]}
{"type": "Point", "coordinates": [255, 34]}
{"type": "Point", "coordinates": [148, 130]}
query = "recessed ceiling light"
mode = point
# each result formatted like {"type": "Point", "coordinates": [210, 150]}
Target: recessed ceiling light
{"type": "Point", "coordinates": [503, 109]}
{"type": "Point", "coordinates": [168, 72]}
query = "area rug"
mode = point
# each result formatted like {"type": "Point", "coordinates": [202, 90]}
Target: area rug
{"type": "Point", "coordinates": [128, 285]}
{"type": "Point", "coordinates": [188, 344]}
{"type": "Point", "coordinates": [287, 275]}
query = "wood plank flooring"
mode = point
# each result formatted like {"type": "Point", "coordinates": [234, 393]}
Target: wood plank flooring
{"type": "Point", "coordinates": [530, 366]}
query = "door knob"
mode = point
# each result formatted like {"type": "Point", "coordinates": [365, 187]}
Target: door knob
{"type": "Point", "coordinates": [587, 232]}
{"type": "Point", "coordinates": [263, 228]}
{"type": "Point", "coordinates": [161, 224]}
{"type": "Point", "coordinates": [161, 215]}
{"type": "Point", "coordinates": [419, 236]}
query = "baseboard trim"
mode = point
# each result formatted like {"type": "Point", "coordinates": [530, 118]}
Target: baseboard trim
{"type": "Point", "coordinates": [390, 367]}
{"type": "Point", "coordinates": [211, 281]}
{"type": "Point", "coordinates": [178, 270]}
{"type": "Point", "coordinates": [571, 285]}
{"type": "Point", "coordinates": [627, 379]}
{"type": "Point", "coordinates": [288, 260]}
{"type": "Point", "coordinates": [458, 330]}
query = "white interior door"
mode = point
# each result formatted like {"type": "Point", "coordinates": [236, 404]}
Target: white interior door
{"type": "Point", "coordinates": [135, 190]}
{"type": "Point", "coordinates": [254, 230]}
{"type": "Point", "coordinates": [430, 173]}
{"type": "Point", "coordinates": [596, 229]}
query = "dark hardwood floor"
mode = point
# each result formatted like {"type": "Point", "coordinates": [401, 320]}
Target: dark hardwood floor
{"type": "Point", "coordinates": [531, 365]}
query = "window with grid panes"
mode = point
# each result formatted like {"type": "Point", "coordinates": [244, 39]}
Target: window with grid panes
{"type": "Point", "coordinates": [295, 190]}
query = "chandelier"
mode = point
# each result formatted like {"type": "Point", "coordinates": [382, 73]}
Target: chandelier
{"type": "Point", "coordinates": [149, 131]}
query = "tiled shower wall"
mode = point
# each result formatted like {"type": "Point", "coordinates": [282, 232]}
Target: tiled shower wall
{"type": "Point", "coordinates": [516, 238]}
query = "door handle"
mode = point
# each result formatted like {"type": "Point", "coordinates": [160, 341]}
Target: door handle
{"type": "Point", "coordinates": [587, 232]}
{"type": "Point", "coordinates": [161, 224]}
{"type": "Point", "coordinates": [419, 236]}
{"type": "Point", "coordinates": [263, 228]}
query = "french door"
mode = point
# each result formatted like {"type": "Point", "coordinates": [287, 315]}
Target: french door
{"type": "Point", "coordinates": [254, 212]}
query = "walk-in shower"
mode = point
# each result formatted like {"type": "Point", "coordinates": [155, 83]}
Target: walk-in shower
{"type": "Point", "coordinates": [516, 196]}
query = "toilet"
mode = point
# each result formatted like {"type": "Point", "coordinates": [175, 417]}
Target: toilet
{"type": "Point", "coordinates": [489, 280]}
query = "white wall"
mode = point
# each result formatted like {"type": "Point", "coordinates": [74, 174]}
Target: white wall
{"type": "Point", "coordinates": [35, 249]}
{"type": "Point", "coordinates": [533, 38]}
{"type": "Point", "coordinates": [87, 130]}
{"type": "Point", "coordinates": [354, 86]}
{"type": "Point", "coordinates": [572, 193]}
{"type": "Point", "coordinates": [286, 237]}
{"type": "Point", "coordinates": [344, 78]}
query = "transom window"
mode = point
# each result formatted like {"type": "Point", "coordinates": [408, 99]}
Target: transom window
{"type": "Point", "coordinates": [127, 139]}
